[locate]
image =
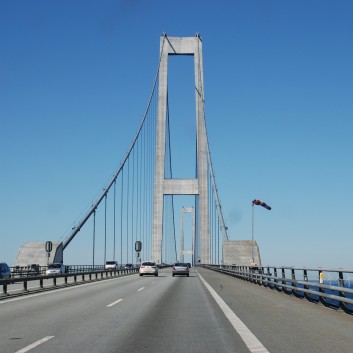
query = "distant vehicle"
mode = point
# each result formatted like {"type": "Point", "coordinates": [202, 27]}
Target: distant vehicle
{"type": "Point", "coordinates": [111, 265]}
{"type": "Point", "coordinates": [148, 268]}
{"type": "Point", "coordinates": [5, 271]}
{"type": "Point", "coordinates": [180, 268]}
{"type": "Point", "coordinates": [55, 269]}
{"type": "Point", "coordinates": [129, 266]}
{"type": "Point", "coordinates": [33, 270]}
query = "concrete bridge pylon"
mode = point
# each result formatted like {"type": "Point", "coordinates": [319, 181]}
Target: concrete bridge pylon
{"type": "Point", "coordinates": [199, 185]}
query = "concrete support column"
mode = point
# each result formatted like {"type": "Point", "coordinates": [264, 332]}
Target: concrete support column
{"type": "Point", "coordinates": [198, 186]}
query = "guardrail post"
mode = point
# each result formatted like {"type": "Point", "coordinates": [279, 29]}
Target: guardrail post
{"type": "Point", "coordinates": [25, 286]}
{"type": "Point", "coordinates": [4, 289]}
{"type": "Point", "coordinates": [276, 280]}
{"type": "Point", "coordinates": [41, 283]}
{"type": "Point", "coordinates": [340, 293]}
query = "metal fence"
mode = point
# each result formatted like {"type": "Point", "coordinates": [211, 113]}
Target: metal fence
{"type": "Point", "coordinates": [330, 287]}
{"type": "Point", "coordinates": [74, 275]}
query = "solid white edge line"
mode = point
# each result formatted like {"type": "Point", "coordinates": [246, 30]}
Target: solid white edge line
{"type": "Point", "coordinates": [35, 344]}
{"type": "Point", "coordinates": [116, 302]}
{"type": "Point", "coordinates": [246, 335]}
{"type": "Point", "coordinates": [139, 290]}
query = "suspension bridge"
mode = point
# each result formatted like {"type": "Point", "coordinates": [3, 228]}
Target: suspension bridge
{"type": "Point", "coordinates": [220, 308]}
{"type": "Point", "coordinates": [138, 203]}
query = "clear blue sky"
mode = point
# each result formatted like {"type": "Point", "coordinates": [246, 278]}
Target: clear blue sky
{"type": "Point", "coordinates": [75, 77]}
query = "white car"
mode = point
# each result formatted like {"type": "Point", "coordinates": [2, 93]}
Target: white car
{"type": "Point", "coordinates": [111, 265]}
{"type": "Point", "coordinates": [148, 268]}
{"type": "Point", "coordinates": [55, 269]}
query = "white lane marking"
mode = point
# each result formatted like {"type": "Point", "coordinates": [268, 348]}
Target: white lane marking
{"type": "Point", "coordinates": [116, 302]}
{"type": "Point", "coordinates": [63, 289]}
{"type": "Point", "coordinates": [247, 336]}
{"type": "Point", "coordinates": [35, 344]}
{"type": "Point", "coordinates": [139, 290]}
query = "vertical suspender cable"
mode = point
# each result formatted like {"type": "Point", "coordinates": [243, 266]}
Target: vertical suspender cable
{"type": "Point", "coordinates": [94, 235]}
{"type": "Point", "coordinates": [127, 210]}
{"type": "Point", "coordinates": [132, 205]}
{"type": "Point", "coordinates": [114, 218]}
{"type": "Point", "coordinates": [105, 228]}
{"type": "Point", "coordinates": [121, 216]}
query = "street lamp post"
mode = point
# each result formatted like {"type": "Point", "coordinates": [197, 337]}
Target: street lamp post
{"type": "Point", "coordinates": [259, 203]}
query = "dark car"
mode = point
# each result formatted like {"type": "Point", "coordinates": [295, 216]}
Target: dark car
{"type": "Point", "coordinates": [33, 270]}
{"type": "Point", "coordinates": [180, 268]}
{"type": "Point", "coordinates": [5, 271]}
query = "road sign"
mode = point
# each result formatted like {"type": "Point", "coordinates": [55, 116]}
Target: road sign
{"type": "Point", "coordinates": [48, 246]}
{"type": "Point", "coordinates": [138, 246]}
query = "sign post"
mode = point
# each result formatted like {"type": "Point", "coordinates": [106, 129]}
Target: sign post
{"type": "Point", "coordinates": [48, 249]}
{"type": "Point", "coordinates": [138, 248]}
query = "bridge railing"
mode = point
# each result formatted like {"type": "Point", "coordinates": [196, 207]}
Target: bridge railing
{"type": "Point", "coordinates": [330, 287]}
{"type": "Point", "coordinates": [54, 281]}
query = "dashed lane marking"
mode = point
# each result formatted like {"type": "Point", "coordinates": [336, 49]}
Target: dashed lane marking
{"type": "Point", "coordinates": [116, 302]}
{"type": "Point", "coordinates": [35, 344]}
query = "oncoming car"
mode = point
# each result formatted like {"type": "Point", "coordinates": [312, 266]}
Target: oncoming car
{"type": "Point", "coordinates": [55, 269]}
{"type": "Point", "coordinates": [180, 268]}
{"type": "Point", "coordinates": [5, 271]}
{"type": "Point", "coordinates": [111, 265]}
{"type": "Point", "coordinates": [148, 268]}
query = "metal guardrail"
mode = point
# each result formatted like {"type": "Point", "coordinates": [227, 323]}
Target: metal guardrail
{"type": "Point", "coordinates": [332, 288]}
{"type": "Point", "coordinates": [79, 276]}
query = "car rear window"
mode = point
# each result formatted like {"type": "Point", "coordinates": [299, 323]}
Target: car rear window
{"type": "Point", "coordinates": [148, 264]}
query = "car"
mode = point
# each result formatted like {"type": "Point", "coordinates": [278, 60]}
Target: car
{"type": "Point", "coordinates": [55, 269]}
{"type": "Point", "coordinates": [148, 268]}
{"type": "Point", "coordinates": [33, 270]}
{"type": "Point", "coordinates": [111, 265]}
{"type": "Point", "coordinates": [129, 266]}
{"type": "Point", "coordinates": [180, 268]}
{"type": "Point", "coordinates": [5, 271]}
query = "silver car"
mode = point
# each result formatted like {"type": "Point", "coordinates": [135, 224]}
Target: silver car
{"type": "Point", "coordinates": [148, 268]}
{"type": "Point", "coordinates": [180, 268]}
{"type": "Point", "coordinates": [55, 269]}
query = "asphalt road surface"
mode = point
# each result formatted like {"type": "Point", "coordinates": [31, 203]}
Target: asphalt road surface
{"type": "Point", "coordinates": [206, 312]}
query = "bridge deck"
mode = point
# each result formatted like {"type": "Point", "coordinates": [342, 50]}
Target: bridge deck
{"type": "Point", "coordinates": [169, 314]}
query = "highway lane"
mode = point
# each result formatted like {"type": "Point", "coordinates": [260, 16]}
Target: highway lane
{"type": "Point", "coordinates": [282, 323]}
{"type": "Point", "coordinates": [169, 314]}
{"type": "Point", "coordinates": [128, 314]}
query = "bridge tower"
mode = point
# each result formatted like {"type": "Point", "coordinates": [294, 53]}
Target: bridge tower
{"type": "Point", "coordinates": [199, 185]}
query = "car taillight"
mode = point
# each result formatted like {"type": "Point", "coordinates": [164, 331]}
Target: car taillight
{"type": "Point", "coordinates": [173, 267]}
{"type": "Point", "coordinates": [153, 266]}
{"type": "Point", "coordinates": [142, 266]}
{"type": "Point", "coordinates": [187, 269]}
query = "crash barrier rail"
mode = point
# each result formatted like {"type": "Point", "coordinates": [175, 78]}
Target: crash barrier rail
{"type": "Point", "coordinates": [36, 270]}
{"type": "Point", "coordinates": [78, 277]}
{"type": "Point", "coordinates": [331, 287]}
